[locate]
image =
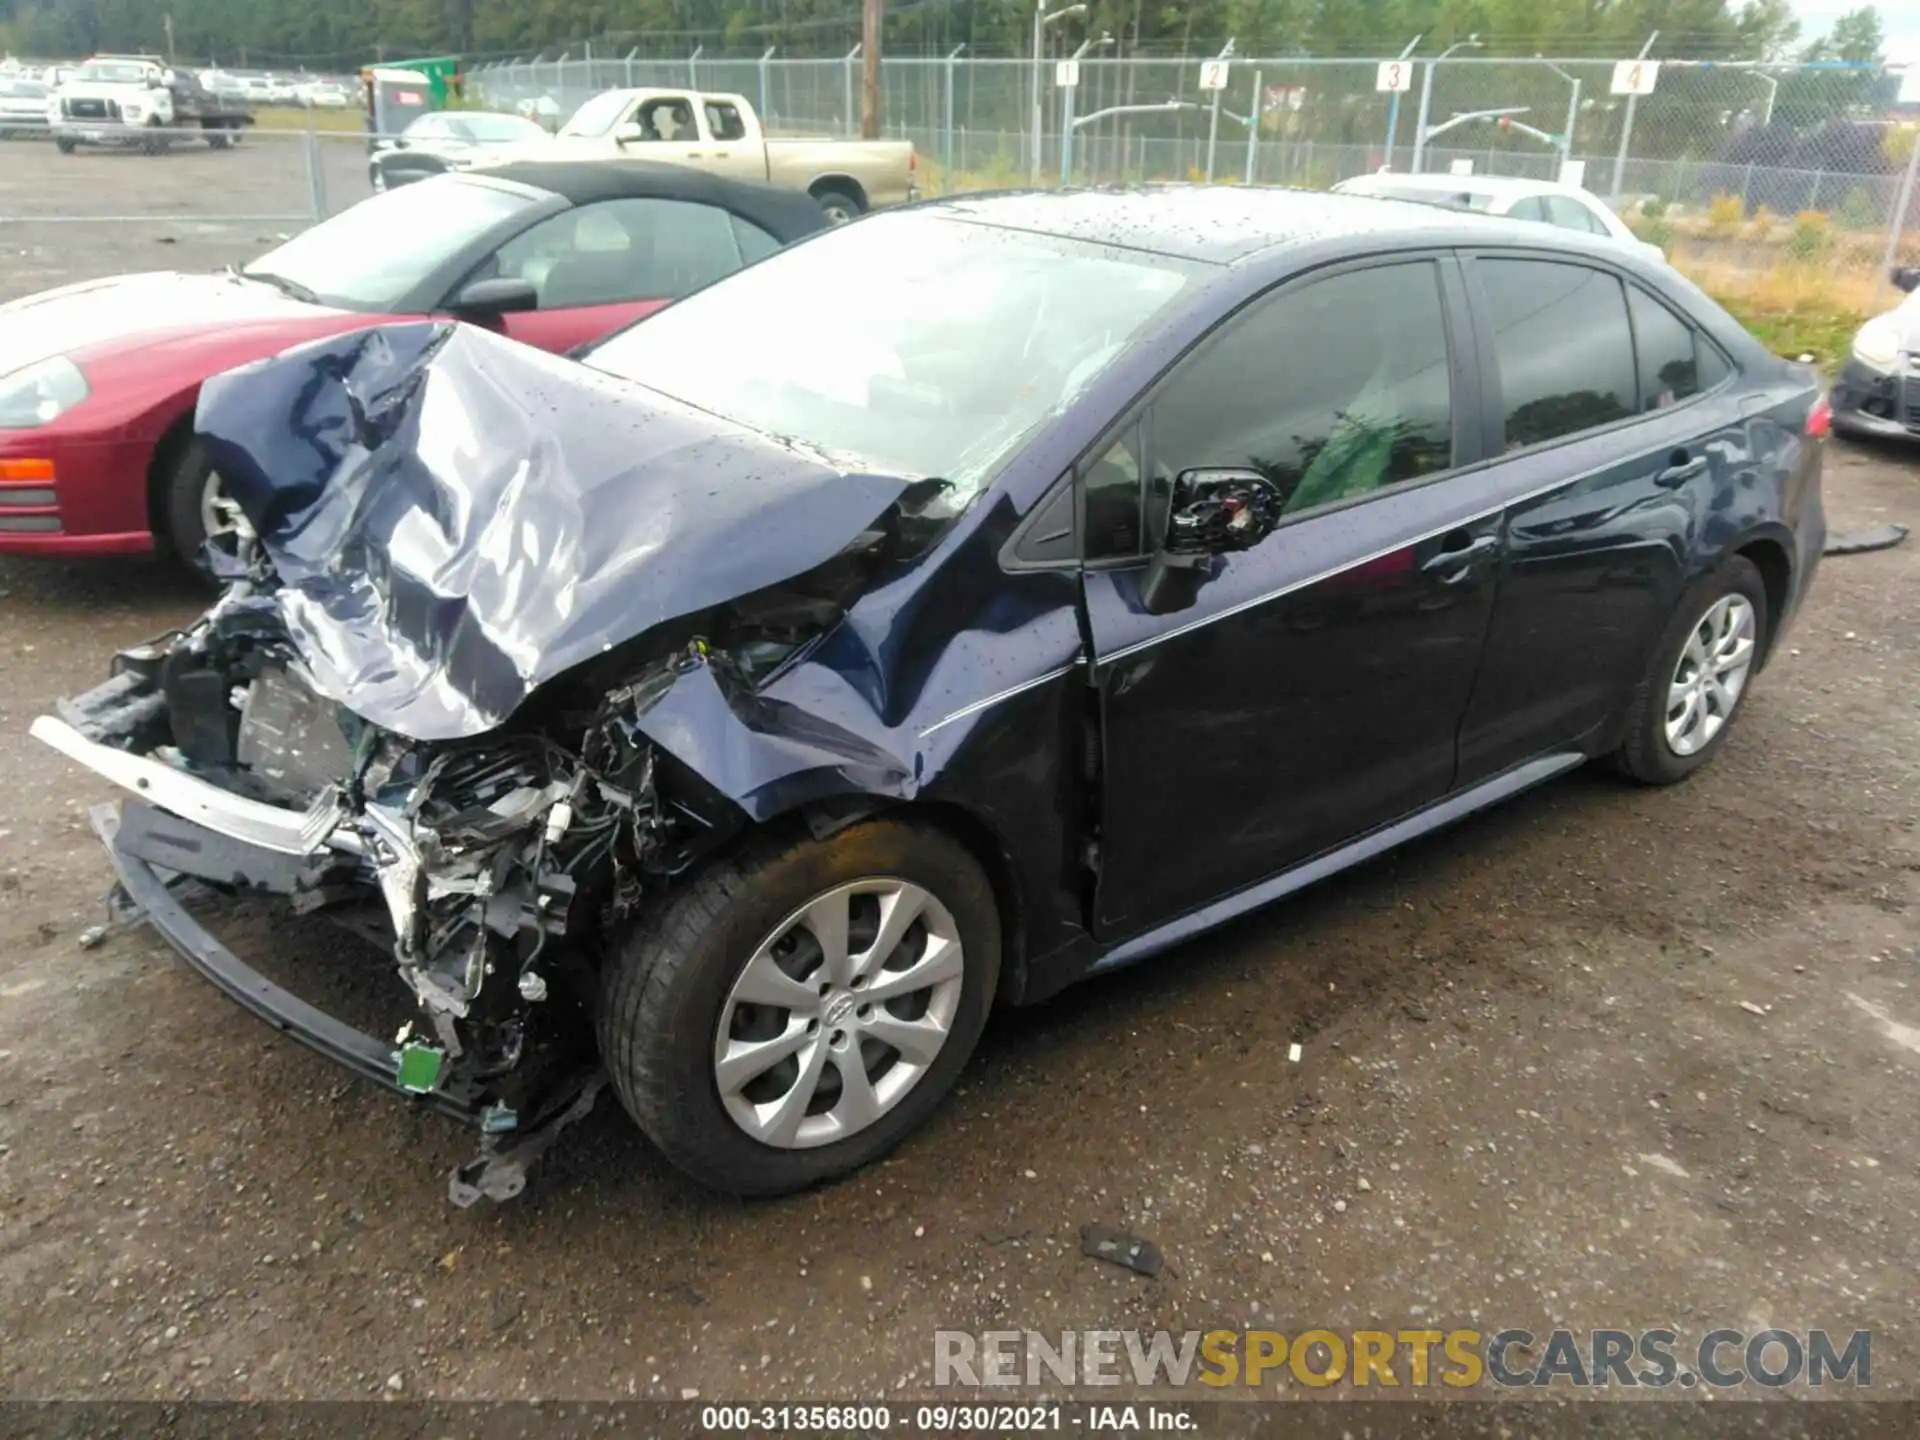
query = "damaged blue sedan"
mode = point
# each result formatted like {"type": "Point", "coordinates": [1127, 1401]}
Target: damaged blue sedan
{"type": "Point", "coordinates": [957, 604]}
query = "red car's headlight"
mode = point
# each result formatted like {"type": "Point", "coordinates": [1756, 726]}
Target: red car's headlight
{"type": "Point", "coordinates": [40, 394]}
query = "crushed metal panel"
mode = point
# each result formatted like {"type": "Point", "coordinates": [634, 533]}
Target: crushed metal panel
{"type": "Point", "coordinates": [456, 519]}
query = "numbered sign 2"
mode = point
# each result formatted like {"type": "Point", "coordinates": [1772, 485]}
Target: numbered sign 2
{"type": "Point", "coordinates": [1635, 77]}
{"type": "Point", "coordinates": [1213, 74]}
{"type": "Point", "coordinates": [1394, 75]}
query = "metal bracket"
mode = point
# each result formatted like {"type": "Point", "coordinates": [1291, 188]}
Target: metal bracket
{"type": "Point", "coordinates": [502, 1174]}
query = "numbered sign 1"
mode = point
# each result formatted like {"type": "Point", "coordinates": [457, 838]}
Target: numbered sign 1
{"type": "Point", "coordinates": [1635, 77]}
{"type": "Point", "coordinates": [1213, 74]}
{"type": "Point", "coordinates": [1394, 75]}
{"type": "Point", "coordinates": [1066, 73]}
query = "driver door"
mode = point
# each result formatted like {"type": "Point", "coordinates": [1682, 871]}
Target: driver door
{"type": "Point", "coordinates": [1311, 687]}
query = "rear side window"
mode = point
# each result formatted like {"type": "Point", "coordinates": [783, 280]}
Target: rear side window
{"type": "Point", "coordinates": [725, 122]}
{"type": "Point", "coordinates": [1562, 345]}
{"type": "Point", "coordinates": [1665, 344]}
{"type": "Point", "coordinates": [1531, 208]}
{"type": "Point", "coordinates": [1572, 215]}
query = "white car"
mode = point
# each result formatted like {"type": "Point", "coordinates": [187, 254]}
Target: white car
{"type": "Point", "coordinates": [1567, 207]}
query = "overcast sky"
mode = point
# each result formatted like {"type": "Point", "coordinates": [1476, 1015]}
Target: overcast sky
{"type": "Point", "coordinates": [1900, 19]}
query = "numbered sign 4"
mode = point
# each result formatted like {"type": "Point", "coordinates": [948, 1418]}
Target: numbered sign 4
{"type": "Point", "coordinates": [1635, 77]}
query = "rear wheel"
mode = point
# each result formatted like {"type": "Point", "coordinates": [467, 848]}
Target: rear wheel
{"type": "Point", "coordinates": [793, 1011]}
{"type": "Point", "coordinates": [65, 146]}
{"type": "Point", "coordinates": [1683, 707]}
{"type": "Point", "coordinates": [838, 204]}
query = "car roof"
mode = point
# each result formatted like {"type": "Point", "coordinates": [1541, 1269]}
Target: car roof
{"type": "Point", "coordinates": [1225, 224]}
{"type": "Point", "coordinates": [1473, 184]}
{"type": "Point", "coordinates": [785, 214]}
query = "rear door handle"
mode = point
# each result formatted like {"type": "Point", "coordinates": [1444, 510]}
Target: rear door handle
{"type": "Point", "coordinates": [1681, 470]}
{"type": "Point", "coordinates": [1455, 564]}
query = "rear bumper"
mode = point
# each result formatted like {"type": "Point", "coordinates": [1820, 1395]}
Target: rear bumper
{"type": "Point", "coordinates": [367, 1056]}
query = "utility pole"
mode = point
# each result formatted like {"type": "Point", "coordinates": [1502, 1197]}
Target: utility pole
{"type": "Point", "coordinates": [167, 23]}
{"type": "Point", "coordinates": [872, 12]}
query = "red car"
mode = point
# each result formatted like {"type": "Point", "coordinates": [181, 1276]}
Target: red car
{"type": "Point", "coordinates": [98, 381]}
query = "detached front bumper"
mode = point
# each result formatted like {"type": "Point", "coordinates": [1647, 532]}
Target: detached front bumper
{"type": "Point", "coordinates": [149, 896]}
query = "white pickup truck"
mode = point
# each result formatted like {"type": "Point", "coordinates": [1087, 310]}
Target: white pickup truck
{"type": "Point", "coordinates": [722, 133]}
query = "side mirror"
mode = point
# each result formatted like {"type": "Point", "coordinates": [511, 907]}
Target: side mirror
{"type": "Point", "coordinates": [486, 301]}
{"type": "Point", "coordinates": [628, 133]}
{"type": "Point", "coordinates": [1212, 512]}
{"type": "Point", "coordinates": [1906, 277]}
{"type": "Point", "coordinates": [1215, 512]}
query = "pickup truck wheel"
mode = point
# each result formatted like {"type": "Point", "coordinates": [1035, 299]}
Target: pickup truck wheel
{"type": "Point", "coordinates": [839, 205]}
{"type": "Point", "coordinates": [793, 1010]}
{"type": "Point", "coordinates": [156, 143]}
{"type": "Point", "coordinates": [65, 146]}
{"type": "Point", "coordinates": [217, 136]}
{"type": "Point", "coordinates": [198, 509]}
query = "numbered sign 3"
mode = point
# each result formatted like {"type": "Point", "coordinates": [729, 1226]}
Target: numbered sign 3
{"type": "Point", "coordinates": [1394, 75]}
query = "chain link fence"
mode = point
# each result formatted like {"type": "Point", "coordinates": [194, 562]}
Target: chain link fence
{"type": "Point", "coordinates": [1748, 174]}
{"type": "Point", "coordinates": [1782, 179]}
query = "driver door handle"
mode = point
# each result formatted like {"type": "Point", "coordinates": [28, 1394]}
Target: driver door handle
{"type": "Point", "coordinates": [1680, 470]}
{"type": "Point", "coordinates": [1455, 563]}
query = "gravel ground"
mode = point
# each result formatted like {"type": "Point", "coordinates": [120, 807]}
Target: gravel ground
{"type": "Point", "coordinates": [1534, 1089]}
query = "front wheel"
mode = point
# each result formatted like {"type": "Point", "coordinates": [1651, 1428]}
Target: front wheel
{"type": "Point", "coordinates": [66, 146]}
{"type": "Point", "coordinates": [792, 1012]}
{"type": "Point", "coordinates": [199, 510]}
{"type": "Point", "coordinates": [1683, 707]}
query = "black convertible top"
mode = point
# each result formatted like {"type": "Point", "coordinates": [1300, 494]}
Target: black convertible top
{"type": "Point", "coordinates": [787, 215]}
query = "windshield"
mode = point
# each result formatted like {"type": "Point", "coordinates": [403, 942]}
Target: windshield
{"type": "Point", "coordinates": [24, 90]}
{"type": "Point", "coordinates": [112, 74]}
{"type": "Point", "coordinates": [922, 345]}
{"type": "Point", "coordinates": [498, 129]}
{"type": "Point", "coordinates": [374, 255]}
{"type": "Point", "coordinates": [597, 116]}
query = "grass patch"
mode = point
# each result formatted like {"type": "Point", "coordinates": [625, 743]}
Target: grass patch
{"type": "Point", "coordinates": [332, 122]}
{"type": "Point", "coordinates": [1819, 331]}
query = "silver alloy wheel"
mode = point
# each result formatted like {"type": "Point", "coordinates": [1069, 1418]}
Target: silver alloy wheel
{"type": "Point", "coordinates": [220, 514]}
{"type": "Point", "coordinates": [1710, 675]}
{"type": "Point", "coordinates": [839, 1013]}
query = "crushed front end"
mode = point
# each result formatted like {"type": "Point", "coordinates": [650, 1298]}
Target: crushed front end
{"type": "Point", "coordinates": [497, 862]}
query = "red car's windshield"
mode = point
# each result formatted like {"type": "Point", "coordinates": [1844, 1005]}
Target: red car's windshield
{"type": "Point", "coordinates": [377, 254]}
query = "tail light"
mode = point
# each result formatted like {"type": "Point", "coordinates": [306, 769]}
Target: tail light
{"type": "Point", "coordinates": [1820, 420]}
{"type": "Point", "coordinates": [913, 160]}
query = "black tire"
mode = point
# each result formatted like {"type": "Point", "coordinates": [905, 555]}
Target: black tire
{"type": "Point", "coordinates": [1644, 755]}
{"type": "Point", "coordinates": [156, 143]}
{"type": "Point", "coordinates": [217, 136]}
{"type": "Point", "coordinates": [180, 508]}
{"type": "Point", "coordinates": [66, 146]}
{"type": "Point", "coordinates": [839, 205]}
{"type": "Point", "coordinates": [665, 990]}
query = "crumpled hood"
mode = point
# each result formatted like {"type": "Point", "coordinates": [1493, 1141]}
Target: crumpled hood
{"type": "Point", "coordinates": [455, 519]}
{"type": "Point", "coordinates": [136, 308]}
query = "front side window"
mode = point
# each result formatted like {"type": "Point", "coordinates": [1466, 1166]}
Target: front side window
{"type": "Point", "coordinates": [1331, 391]}
{"type": "Point", "coordinates": [621, 250]}
{"type": "Point", "coordinates": [966, 338]}
{"type": "Point", "coordinates": [1562, 345]}
{"type": "Point", "coordinates": [666, 120]}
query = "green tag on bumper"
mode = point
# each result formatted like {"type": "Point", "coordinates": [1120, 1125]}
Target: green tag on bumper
{"type": "Point", "coordinates": [418, 1067]}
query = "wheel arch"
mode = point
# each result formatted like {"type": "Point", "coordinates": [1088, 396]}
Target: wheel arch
{"type": "Point", "coordinates": [167, 450]}
{"type": "Point", "coordinates": [1772, 555]}
{"type": "Point", "coordinates": [845, 184]}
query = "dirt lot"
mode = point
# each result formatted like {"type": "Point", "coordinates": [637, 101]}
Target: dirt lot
{"type": "Point", "coordinates": [1532, 1092]}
